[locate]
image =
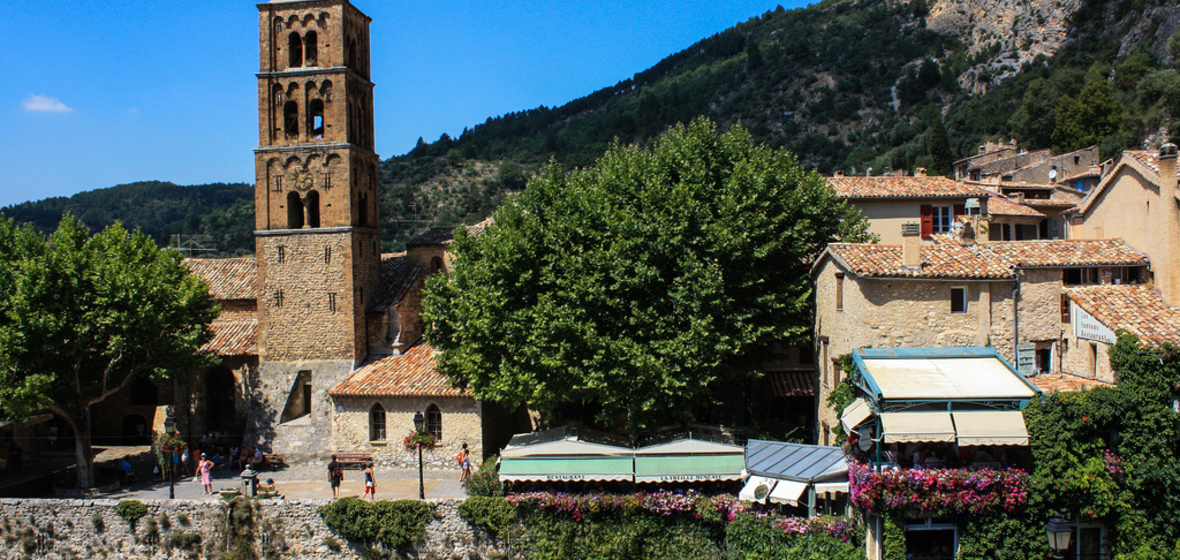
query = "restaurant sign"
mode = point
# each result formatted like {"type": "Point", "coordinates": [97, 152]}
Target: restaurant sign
{"type": "Point", "coordinates": [1087, 327]}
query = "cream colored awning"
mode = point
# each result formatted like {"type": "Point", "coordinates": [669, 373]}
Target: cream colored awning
{"type": "Point", "coordinates": [833, 487]}
{"type": "Point", "coordinates": [906, 427]}
{"type": "Point", "coordinates": [757, 489]}
{"type": "Point", "coordinates": [946, 378]}
{"type": "Point", "coordinates": [991, 427]}
{"type": "Point", "coordinates": [788, 492]}
{"type": "Point", "coordinates": [854, 414]}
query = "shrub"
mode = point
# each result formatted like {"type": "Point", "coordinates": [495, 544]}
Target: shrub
{"type": "Point", "coordinates": [496, 514]}
{"type": "Point", "coordinates": [190, 541]}
{"type": "Point", "coordinates": [486, 482]}
{"type": "Point", "coordinates": [755, 536]}
{"type": "Point", "coordinates": [131, 511]}
{"type": "Point", "coordinates": [395, 524]}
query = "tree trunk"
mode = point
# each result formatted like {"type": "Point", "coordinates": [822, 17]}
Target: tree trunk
{"type": "Point", "coordinates": [83, 457]}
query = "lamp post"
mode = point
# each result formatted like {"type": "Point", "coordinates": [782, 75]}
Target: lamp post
{"type": "Point", "coordinates": [418, 421]}
{"type": "Point", "coordinates": [170, 428]}
{"type": "Point", "coordinates": [1059, 532]}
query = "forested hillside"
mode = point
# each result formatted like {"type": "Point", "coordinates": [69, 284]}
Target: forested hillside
{"type": "Point", "coordinates": [845, 84]}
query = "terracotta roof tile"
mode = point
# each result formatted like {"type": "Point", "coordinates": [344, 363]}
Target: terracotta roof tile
{"type": "Point", "coordinates": [1056, 198]}
{"type": "Point", "coordinates": [411, 374]}
{"type": "Point", "coordinates": [227, 278]}
{"type": "Point", "coordinates": [237, 337]}
{"type": "Point", "coordinates": [397, 277]}
{"type": "Point", "coordinates": [1149, 158]}
{"type": "Point", "coordinates": [1000, 206]}
{"type": "Point", "coordinates": [1066, 383]}
{"type": "Point", "coordinates": [1136, 309]}
{"type": "Point", "coordinates": [1066, 252]}
{"type": "Point", "coordinates": [942, 260]}
{"type": "Point", "coordinates": [438, 235]}
{"type": "Point", "coordinates": [792, 383]}
{"type": "Point", "coordinates": [900, 187]}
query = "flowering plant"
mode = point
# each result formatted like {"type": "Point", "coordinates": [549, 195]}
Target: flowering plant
{"type": "Point", "coordinates": [1114, 464]}
{"type": "Point", "coordinates": [937, 490]}
{"type": "Point", "coordinates": [420, 440]}
{"type": "Point", "coordinates": [166, 445]}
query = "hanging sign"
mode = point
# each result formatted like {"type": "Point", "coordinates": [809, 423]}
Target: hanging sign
{"type": "Point", "coordinates": [1087, 327]}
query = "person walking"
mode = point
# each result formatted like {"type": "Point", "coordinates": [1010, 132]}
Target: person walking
{"type": "Point", "coordinates": [335, 476]}
{"type": "Point", "coordinates": [204, 466]}
{"type": "Point", "coordinates": [464, 459]}
{"type": "Point", "coordinates": [370, 483]}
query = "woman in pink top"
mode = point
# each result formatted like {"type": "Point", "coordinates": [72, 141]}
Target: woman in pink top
{"type": "Point", "coordinates": [203, 468]}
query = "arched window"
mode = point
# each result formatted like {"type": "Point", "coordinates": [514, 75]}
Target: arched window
{"type": "Point", "coordinates": [377, 423]}
{"type": "Point", "coordinates": [350, 61]}
{"type": "Point", "coordinates": [362, 210]}
{"type": "Point", "coordinates": [436, 264]}
{"type": "Point", "coordinates": [294, 211]}
{"type": "Point", "coordinates": [291, 119]}
{"type": "Point", "coordinates": [434, 421]}
{"type": "Point", "coordinates": [309, 48]}
{"type": "Point", "coordinates": [313, 209]}
{"type": "Point", "coordinates": [295, 49]}
{"type": "Point", "coordinates": [315, 121]}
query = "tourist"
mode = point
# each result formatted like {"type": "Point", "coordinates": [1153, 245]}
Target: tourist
{"type": "Point", "coordinates": [370, 483]}
{"type": "Point", "coordinates": [182, 467]}
{"type": "Point", "coordinates": [203, 468]}
{"type": "Point", "coordinates": [125, 470]}
{"type": "Point", "coordinates": [335, 476]}
{"type": "Point", "coordinates": [464, 459]}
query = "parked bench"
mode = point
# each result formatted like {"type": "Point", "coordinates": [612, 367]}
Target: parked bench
{"type": "Point", "coordinates": [358, 460]}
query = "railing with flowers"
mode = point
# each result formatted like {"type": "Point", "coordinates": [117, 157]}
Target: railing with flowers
{"type": "Point", "coordinates": [944, 491]}
{"type": "Point", "coordinates": [722, 508]}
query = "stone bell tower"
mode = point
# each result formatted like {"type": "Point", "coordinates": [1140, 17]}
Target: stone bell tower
{"type": "Point", "coordinates": [315, 203]}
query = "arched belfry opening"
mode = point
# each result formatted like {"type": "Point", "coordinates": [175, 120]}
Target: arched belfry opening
{"type": "Point", "coordinates": [315, 121]}
{"type": "Point", "coordinates": [310, 48]}
{"type": "Point", "coordinates": [294, 50]}
{"type": "Point", "coordinates": [294, 211]}
{"type": "Point", "coordinates": [313, 209]}
{"type": "Point", "coordinates": [291, 119]}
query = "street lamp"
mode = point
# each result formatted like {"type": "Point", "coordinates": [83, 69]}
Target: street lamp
{"type": "Point", "coordinates": [419, 420]}
{"type": "Point", "coordinates": [1059, 533]}
{"type": "Point", "coordinates": [170, 428]}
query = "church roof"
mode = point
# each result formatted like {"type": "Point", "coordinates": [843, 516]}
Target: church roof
{"type": "Point", "coordinates": [398, 276]}
{"type": "Point", "coordinates": [227, 278]}
{"type": "Point", "coordinates": [235, 337]}
{"type": "Point", "coordinates": [412, 374]}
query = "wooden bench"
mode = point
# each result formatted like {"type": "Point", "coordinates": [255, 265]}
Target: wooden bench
{"type": "Point", "coordinates": [274, 461]}
{"type": "Point", "coordinates": [358, 460]}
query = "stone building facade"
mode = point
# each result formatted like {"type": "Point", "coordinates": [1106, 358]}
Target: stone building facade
{"type": "Point", "coordinates": [948, 292]}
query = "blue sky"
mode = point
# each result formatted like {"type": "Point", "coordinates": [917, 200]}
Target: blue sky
{"type": "Point", "coordinates": [102, 93]}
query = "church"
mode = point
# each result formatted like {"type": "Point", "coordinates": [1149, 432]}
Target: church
{"type": "Point", "coordinates": [320, 334]}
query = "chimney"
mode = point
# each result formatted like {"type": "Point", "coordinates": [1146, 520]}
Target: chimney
{"type": "Point", "coordinates": [839, 173]}
{"type": "Point", "coordinates": [911, 245]}
{"type": "Point", "coordinates": [920, 172]}
{"type": "Point", "coordinates": [1018, 197]}
{"type": "Point", "coordinates": [1166, 260]}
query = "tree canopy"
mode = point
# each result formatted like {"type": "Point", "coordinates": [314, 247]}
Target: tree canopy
{"type": "Point", "coordinates": [638, 283]}
{"type": "Point", "coordinates": [82, 316]}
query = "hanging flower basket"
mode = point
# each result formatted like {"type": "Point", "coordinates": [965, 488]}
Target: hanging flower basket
{"type": "Point", "coordinates": [420, 440]}
{"type": "Point", "coordinates": [165, 446]}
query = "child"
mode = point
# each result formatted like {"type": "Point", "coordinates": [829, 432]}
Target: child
{"type": "Point", "coordinates": [464, 459]}
{"type": "Point", "coordinates": [370, 483]}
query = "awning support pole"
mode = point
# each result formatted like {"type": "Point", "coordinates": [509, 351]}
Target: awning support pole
{"type": "Point", "coordinates": [811, 501]}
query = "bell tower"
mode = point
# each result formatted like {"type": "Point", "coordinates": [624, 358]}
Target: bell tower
{"type": "Point", "coordinates": [317, 240]}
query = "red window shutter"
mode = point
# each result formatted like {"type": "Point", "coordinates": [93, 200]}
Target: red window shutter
{"type": "Point", "coordinates": [960, 210]}
{"type": "Point", "coordinates": [927, 220]}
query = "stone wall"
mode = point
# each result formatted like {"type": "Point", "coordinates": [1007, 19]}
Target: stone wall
{"type": "Point", "coordinates": [173, 529]}
{"type": "Point", "coordinates": [461, 423]}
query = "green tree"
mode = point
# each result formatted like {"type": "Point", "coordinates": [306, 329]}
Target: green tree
{"type": "Point", "coordinates": [940, 149]}
{"type": "Point", "coordinates": [82, 316]}
{"type": "Point", "coordinates": [638, 283]}
{"type": "Point", "coordinates": [1093, 118]}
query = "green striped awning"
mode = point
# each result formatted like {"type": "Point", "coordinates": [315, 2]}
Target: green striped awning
{"type": "Point", "coordinates": [689, 468]}
{"type": "Point", "coordinates": [567, 468]}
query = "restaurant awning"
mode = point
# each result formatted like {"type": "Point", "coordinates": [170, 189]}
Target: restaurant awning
{"type": "Point", "coordinates": [991, 427]}
{"type": "Point", "coordinates": [689, 460]}
{"type": "Point", "coordinates": [566, 468]}
{"type": "Point", "coordinates": [854, 414]}
{"type": "Point", "coordinates": [906, 427]}
{"type": "Point", "coordinates": [788, 492]}
{"type": "Point", "coordinates": [757, 489]}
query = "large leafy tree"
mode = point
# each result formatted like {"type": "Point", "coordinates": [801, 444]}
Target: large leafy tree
{"type": "Point", "coordinates": [640, 282]}
{"type": "Point", "coordinates": [82, 316]}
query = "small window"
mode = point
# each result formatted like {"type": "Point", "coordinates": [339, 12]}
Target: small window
{"type": "Point", "coordinates": [436, 264]}
{"type": "Point", "coordinates": [434, 421]}
{"type": "Point", "coordinates": [1064, 308]}
{"type": "Point", "coordinates": [943, 218]}
{"type": "Point", "coordinates": [294, 211]}
{"type": "Point", "coordinates": [331, 303]}
{"type": "Point", "coordinates": [377, 423]}
{"type": "Point", "coordinates": [958, 300]}
{"type": "Point", "coordinates": [313, 209]}
{"type": "Point", "coordinates": [327, 255]}
{"type": "Point", "coordinates": [290, 119]}
{"type": "Point", "coordinates": [282, 254]}
{"type": "Point", "coordinates": [839, 291]}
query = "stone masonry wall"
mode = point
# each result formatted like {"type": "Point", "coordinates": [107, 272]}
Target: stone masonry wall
{"type": "Point", "coordinates": [461, 423]}
{"type": "Point", "coordinates": [91, 529]}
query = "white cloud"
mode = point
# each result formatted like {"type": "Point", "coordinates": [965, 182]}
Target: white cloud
{"type": "Point", "coordinates": [44, 104]}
